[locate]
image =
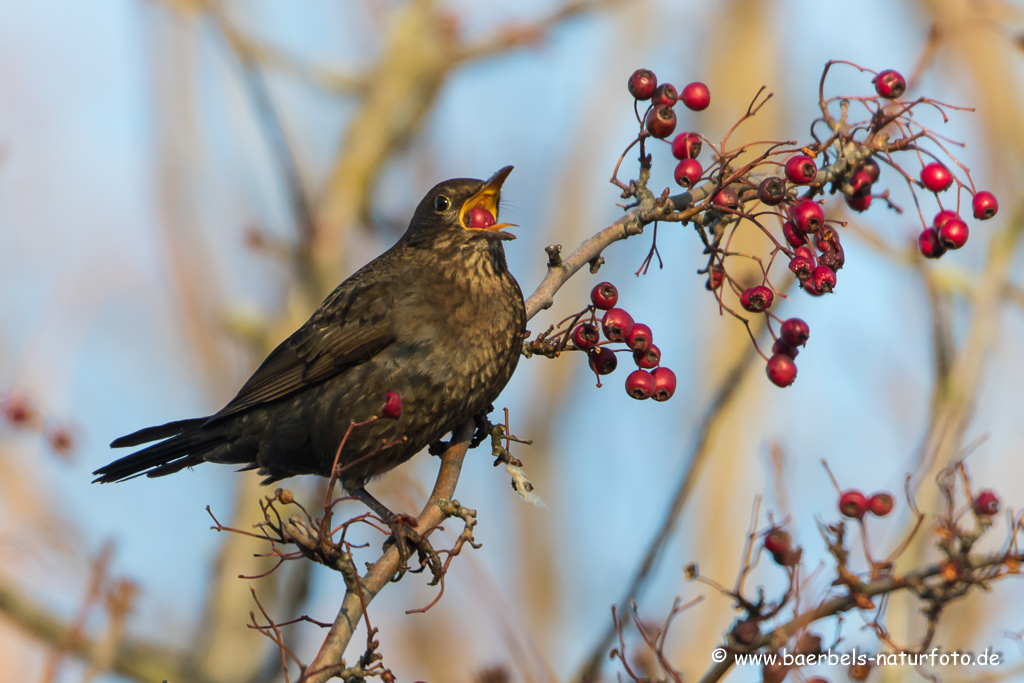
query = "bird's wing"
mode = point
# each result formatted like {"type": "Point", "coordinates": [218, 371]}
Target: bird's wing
{"type": "Point", "coordinates": [349, 328]}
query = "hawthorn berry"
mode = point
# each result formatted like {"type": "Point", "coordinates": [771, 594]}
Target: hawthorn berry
{"type": "Point", "coordinates": [870, 167]}
{"type": "Point", "coordinates": [859, 204]}
{"type": "Point", "coordinates": [781, 370]}
{"type": "Point", "coordinates": [616, 324]}
{"type": "Point", "coordinates": [18, 410]}
{"type": "Point", "coordinates": [800, 169]}
{"type": "Point", "coordinates": [834, 257]}
{"type": "Point", "coordinates": [941, 217]}
{"type": "Point", "coordinates": [746, 631]}
{"type": "Point", "coordinates": [479, 217]}
{"type": "Point", "coordinates": [781, 347]}
{"type": "Point", "coordinates": [727, 198]}
{"type": "Point", "coordinates": [810, 288]}
{"type": "Point", "coordinates": [890, 84]}
{"type": "Point", "coordinates": [860, 182]}
{"type": "Point", "coordinates": [757, 299]}
{"type": "Point", "coordinates": [771, 191]}
{"type": "Point", "coordinates": [929, 245]}
{"type": "Point", "coordinates": [664, 384]}
{"type": "Point", "coordinates": [795, 332]}
{"type": "Point", "coordinates": [696, 96]}
{"type": "Point", "coordinates": [986, 503]}
{"type": "Point", "coordinates": [603, 361]}
{"type": "Point", "coordinates": [604, 296]}
{"type": "Point", "coordinates": [687, 146]}
{"type": "Point", "coordinates": [60, 440]}
{"type": "Point", "coordinates": [715, 278]}
{"type": "Point", "coordinates": [661, 121]}
{"type": "Point", "coordinates": [824, 279]}
{"type": "Point", "coordinates": [794, 237]}
{"type": "Point", "coordinates": [953, 233]}
{"type": "Point", "coordinates": [640, 384]}
{"type": "Point", "coordinates": [808, 216]}
{"type": "Point", "coordinates": [639, 337]}
{"type": "Point", "coordinates": [805, 251]}
{"type": "Point", "coordinates": [585, 336]}
{"type": "Point", "coordinates": [777, 541]}
{"type": "Point", "coordinates": [802, 267]}
{"type": "Point", "coordinates": [985, 205]}
{"type": "Point", "coordinates": [688, 173]}
{"type": "Point", "coordinates": [642, 84]}
{"type": "Point", "coordinates": [648, 359]}
{"type": "Point", "coordinates": [853, 504]}
{"type": "Point", "coordinates": [392, 405]}
{"type": "Point", "coordinates": [665, 94]}
{"type": "Point", "coordinates": [881, 503]}
{"type": "Point", "coordinates": [936, 177]}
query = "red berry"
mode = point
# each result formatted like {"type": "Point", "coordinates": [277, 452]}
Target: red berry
{"type": "Point", "coordinates": [985, 205]}
{"type": "Point", "coordinates": [777, 541]}
{"type": "Point", "coordinates": [781, 370]}
{"type": "Point", "coordinates": [941, 217]}
{"type": "Point", "coordinates": [881, 503]}
{"type": "Point", "coordinates": [727, 198]}
{"type": "Point", "coordinates": [859, 204]}
{"type": "Point", "coordinates": [603, 361]}
{"type": "Point", "coordinates": [953, 233]}
{"type": "Point", "coordinates": [936, 177]}
{"type": "Point", "coordinates": [793, 236]}
{"type": "Point", "coordinates": [616, 324]}
{"type": "Point", "coordinates": [664, 384]}
{"type": "Point", "coordinates": [804, 251]}
{"type": "Point", "coordinates": [687, 146]}
{"type": "Point", "coordinates": [810, 288]}
{"type": "Point", "coordinates": [771, 191]}
{"type": "Point", "coordinates": [824, 279]}
{"type": "Point", "coordinates": [392, 405]}
{"type": "Point", "coordinates": [795, 332]}
{"type": "Point", "coordinates": [853, 504]}
{"type": "Point", "coordinates": [802, 267]}
{"type": "Point", "coordinates": [715, 279]}
{"type": "Point", "coordinates": [640, 384]}
{"type": "Point", "coordinates": [781, 347]}
{"type": "Point", "coordinates": [688, 173]}
{"type": "Point", "coordinates": [757, 299]}
{"type": "Point", "coordinates": [665, 94]}
{"type": "Point", "coordinates": [18, 410]}
{"type": "Point", "coordinates": [800, 169]}
{"type": "Point", "coordinates": [871, 168]}
{"type": "Point", "coordinates": [648, 359]}
{"type": "Point", "coordinates": [661, 121]}
{"type": "Point", "coordinates": [986, 503]}
{"type": "Point", "coordinates": [860, 183]}
{"type": "Point", "coordinates": [929, 245]}
{"type": "Point", "coordinates": [639, 338]}
{"type": "Point", "coordinates": [696, 96]}
{"type": "Point", "coordinates": [808, 216]}
{"type": "Point", "coordinates": [642, 84]}
{"type": "Point", "coordinates": [61, 440]}
{"type": "Point", "coordinates": [479, 217]}
{"type": "Point", "coordinates": [604, 296]}
{"type": "Point", "coordinates": [890, 84]}
{"type": "Point", "coordinates": [585, 337]}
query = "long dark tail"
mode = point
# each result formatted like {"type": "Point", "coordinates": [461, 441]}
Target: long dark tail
{"type": "Point", "coordinates": [185, 445]}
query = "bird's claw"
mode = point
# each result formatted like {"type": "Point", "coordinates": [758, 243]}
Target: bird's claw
{"type": "Point", "coordinates": [405, 537]}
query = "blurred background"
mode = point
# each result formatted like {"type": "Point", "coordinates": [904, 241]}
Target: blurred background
{"type": "Point", "coordinates": [182, 181]}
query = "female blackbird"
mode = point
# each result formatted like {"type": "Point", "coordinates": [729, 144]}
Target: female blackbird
{"type": "Point", "coordinates": [437, 319]}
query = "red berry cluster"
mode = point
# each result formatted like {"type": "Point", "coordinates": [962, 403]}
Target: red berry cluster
{"type": "Point", "coordinates": [649, 380]}
{"type": "Point", "coordinates": [854, 504]}
{"type": "Point", "coordinates": [660, 119]}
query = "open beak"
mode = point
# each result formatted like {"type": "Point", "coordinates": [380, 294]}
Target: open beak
{"type": "Point", "coordinates": [487, 198]}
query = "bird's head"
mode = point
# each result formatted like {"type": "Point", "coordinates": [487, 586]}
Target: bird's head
{"type": "Point", "coordinates": [460, 211]}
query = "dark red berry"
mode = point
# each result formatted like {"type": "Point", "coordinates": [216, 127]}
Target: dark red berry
{"type": "Point", "coordinates": [827, 238]}
{"type": "Point", "coordinates": [859, 204]}
{"type": "Point", "coordinates": [986, 503]}
{"type": "Point", "coordinates": [860, 183]}
{"type": "Point", "coordinates": [834, 257]}
{"type": "Point", "coordinates": [890, 84]}
{"type": "Point", "coordinates": [661, 121]}
{"type": "Point", "coordinates": [781, 347]}
{"type": "Point", "coordinates": [664, 384]}
{"type": "Point", "coordinates": [696, 96]}
{"type": "Point", "coordinates": [61, 440]}
{"type": "Point", "coordinates": [603, 361]}
{"type": "Point", "coordinates": [727, 198]}
{"type": "Point", "coordinates": [616, 324]}
{"type": "Point", "coordinates": [800, 169]}
{"type": "Point", "coordinates": [929, 245]}
{"type": "Point", "coordinates": [808, 216]}
{"type": "Point", "coordinates": [648, 359]}
{"type": "Point", "coordinates": [781, 370]}
{"type": "Point", "coordinates": [953, 233]}
{"type": "Point", "coordinates": [687, 146]}
{"type": "Point", "coordinates": [794, 237]}
{"type": "Point", "coordinates": [824, 279]}
{"type": "Point", "coordinates": [604, 296]}
{"type": "Point", "coordinates": [795, 332]}
{"type": "Point", "coordinates": [771, 191]}
{"type": "Point", "coordinates": [757, 299]}
{"type": "Point", "coordinates": [853, 504]}
{"type": "Point", "coordinates": [802, 267]}
{"type": "Point", "coordinates": [688, 173]}
{"type": "Point", "coordinates": [642, 84]}
{"type": "Point", "coordinates": [936, 177]}
{"type": "Point", "coordinates": [881, 503]}
{"type": "Point", "coordinates": [479, 217]}
{"type": "Point", "coordinates": [18, 410]}
{"type": "Point", "coordinates": [806, 252]}
{"type": "Point", "coordinates": [639, 338]}
{"type": "Point", "coordinates": [392, 405]}
{"type": "Point", "coordinates": [871, 168]}
{"type": "Point", "coordinates": [585, 337]}
{"type": "Point", "coordinates": [715, 279]}
{"type": "Point", "coordinates": [810, 288]}
{"type": "Point", "coordinates": [640, 384]}
{"type": "Point", "coordinates": [985, 205]}
{"type": "Point", "coordinates": [665, 94]}
{"type": "Point", "coordinates": [777, 541]}
{"type": "Point", "coordinates": [941, 217]}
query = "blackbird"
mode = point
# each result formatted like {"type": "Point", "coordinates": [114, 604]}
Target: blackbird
{"type": "Point", "coordinates": [437, 319]}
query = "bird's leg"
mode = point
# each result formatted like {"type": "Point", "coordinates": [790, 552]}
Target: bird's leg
{"type": "Point", "coordinates": [403, 535]}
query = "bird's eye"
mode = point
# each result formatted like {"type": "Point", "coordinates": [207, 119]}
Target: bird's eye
{"type": "Point", "coordinates": [441, 203]}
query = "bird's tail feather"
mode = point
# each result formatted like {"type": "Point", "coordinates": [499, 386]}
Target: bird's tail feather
{"type": "Point", "coordinates": [174, 454]}
{"type": "Point", "coordinates": [159, 432]}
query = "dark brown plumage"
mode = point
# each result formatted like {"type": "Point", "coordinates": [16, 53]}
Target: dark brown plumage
{"type": "Point", "coordinates": [437, 318]}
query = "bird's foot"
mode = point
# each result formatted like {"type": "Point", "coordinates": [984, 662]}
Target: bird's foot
{"type": "Point", "coordinates": [406, 538]}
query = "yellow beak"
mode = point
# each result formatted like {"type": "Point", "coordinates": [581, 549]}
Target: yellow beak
{"type": "Point", "coordinates": [487, 198]}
